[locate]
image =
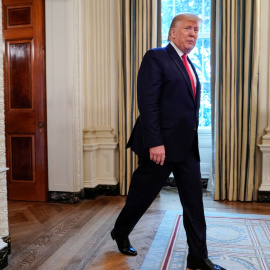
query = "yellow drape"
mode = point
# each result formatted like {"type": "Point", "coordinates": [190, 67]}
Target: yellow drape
{"type": "Point", "coordinates": [139, 24]}
{"type": "Point", "coordinates": [236, 99]}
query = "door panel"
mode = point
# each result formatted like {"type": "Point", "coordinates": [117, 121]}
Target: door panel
{"type": "Point", "coordinates": [25, 99]}
{"type": "Point", "coordinates": [23, 159]}
{"type": "Point", "coordinates": [19, 74]}
{"type": "Point", "coordinates": [20, 16]}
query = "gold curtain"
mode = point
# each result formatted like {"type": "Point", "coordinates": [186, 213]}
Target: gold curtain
{"type": "Point", "coordinates": [139, 31]}
{"type": "Point", "coordinates": [237, 52]}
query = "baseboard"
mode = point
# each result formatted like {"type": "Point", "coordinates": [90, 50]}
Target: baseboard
{"type": "Point", "coordinates": [66, 197]}
{"type": "Point", "coordinates": [101, 190]}
{"type": "Point", "coordinates": [86, 193]}
{"type": "Point", "coordinates": [264, 196]}
{"type": "Point", "coordinates": [171, 182]}
{"type": "Point", "coordinates": [4, 251]}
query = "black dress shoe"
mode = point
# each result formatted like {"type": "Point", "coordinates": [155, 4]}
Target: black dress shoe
{"type": "Point", "coordinates": [205, 264]}
{"type": "Point", "coordinates": [124, 245]}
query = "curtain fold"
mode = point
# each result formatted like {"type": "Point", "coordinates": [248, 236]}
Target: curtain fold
{"type": "Point", "coordinates": [139, 30]}
{"type": "Point", "coordinates": [237, 36]}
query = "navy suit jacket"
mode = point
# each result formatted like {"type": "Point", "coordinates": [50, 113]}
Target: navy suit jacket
{"type": "Point", "coordinates": [169, 113]}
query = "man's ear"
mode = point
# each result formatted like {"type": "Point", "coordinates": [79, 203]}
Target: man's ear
{"type": "Point", "coordinates": [173, 32]}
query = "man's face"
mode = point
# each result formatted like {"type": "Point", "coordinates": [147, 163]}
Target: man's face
{"type": "Point", "coordinates": [185, 34]}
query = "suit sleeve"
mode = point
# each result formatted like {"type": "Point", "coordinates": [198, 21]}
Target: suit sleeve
{"type": "Point", "coordinates": [149, 88]}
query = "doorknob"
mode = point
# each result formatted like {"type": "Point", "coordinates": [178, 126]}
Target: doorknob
{"type": "Point", "coordinates": [40, 124]}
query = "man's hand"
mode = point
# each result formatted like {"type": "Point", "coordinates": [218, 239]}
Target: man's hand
{"type": "Point", "coordinates": [157, 154]}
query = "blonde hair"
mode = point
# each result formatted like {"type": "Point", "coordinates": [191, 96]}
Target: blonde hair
{"type": "Point", "coordinates": [183, 16]}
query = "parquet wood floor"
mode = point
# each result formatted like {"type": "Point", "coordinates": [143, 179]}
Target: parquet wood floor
{"type": "Point", "coordinates": [56, 236]}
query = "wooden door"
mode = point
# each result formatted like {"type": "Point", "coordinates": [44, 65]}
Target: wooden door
{"type": "Point", "coordinates": [25, 99]}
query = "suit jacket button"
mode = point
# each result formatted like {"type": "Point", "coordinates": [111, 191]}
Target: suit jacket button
{"type": "Point", "coordinates": [195, 128]}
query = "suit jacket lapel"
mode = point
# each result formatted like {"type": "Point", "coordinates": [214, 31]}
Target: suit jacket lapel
{"type": "Point", "coordinates": [175, 57]}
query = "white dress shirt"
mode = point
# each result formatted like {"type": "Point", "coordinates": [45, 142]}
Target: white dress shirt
{"type": "Point", "coordinates": [180, 53]}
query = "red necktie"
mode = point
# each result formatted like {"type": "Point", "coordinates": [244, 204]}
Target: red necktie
{"type": "Point", "coordinates": [184, 57]}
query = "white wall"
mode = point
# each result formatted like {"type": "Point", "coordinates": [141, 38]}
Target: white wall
{"type": "Point", "coordinates": [82, 93]}
{"type": "Point", "coordinates": [64, 117]}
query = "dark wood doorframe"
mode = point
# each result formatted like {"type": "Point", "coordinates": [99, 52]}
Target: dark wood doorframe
{"type": "Point", "coordinates": [25, 99]}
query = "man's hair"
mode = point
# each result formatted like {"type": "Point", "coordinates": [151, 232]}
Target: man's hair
{"type": "Point", "coordinates": [183, 16]}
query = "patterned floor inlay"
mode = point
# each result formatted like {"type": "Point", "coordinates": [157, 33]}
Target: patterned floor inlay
{"type": "Point", "coordinates": [236, 242]}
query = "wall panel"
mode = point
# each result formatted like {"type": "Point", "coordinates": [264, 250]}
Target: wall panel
{"type": "Point", "coordinates": [64, 95]}
{"type": "Point", "coordinates": [100, 91]}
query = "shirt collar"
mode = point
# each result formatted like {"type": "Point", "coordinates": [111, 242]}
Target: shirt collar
{"type": "Point", "coordinates": [180, 53]}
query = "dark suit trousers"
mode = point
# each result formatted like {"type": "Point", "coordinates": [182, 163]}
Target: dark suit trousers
{"type": "Point", "coordinates": [146, 183]}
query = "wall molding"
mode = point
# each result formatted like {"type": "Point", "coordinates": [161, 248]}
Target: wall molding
{"type": "Point", "coordinates": [265, 186]}
{"type": "Point", "coordinates": [100, 181]}
{"type": "Point", "coordinates": [77, 97]}
{"type": "Point", "coordinates": [100, 164]}
{"type": "Point", "coordinates": [205, 148]}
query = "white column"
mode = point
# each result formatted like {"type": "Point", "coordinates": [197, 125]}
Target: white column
{"type": "Point", "coordinates": [264, 109]}
{"type": "Point", "coordinates": [4, 231]}
{"type": "Point", "coordinates": [64, 116]}
{"type": "Point", "coordinates": [100, 92]}
{"type": "Point", "coordinates": [3, 179]}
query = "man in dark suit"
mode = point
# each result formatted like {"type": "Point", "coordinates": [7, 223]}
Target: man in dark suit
{"type": "Point", "coordinates": [165, 138]}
